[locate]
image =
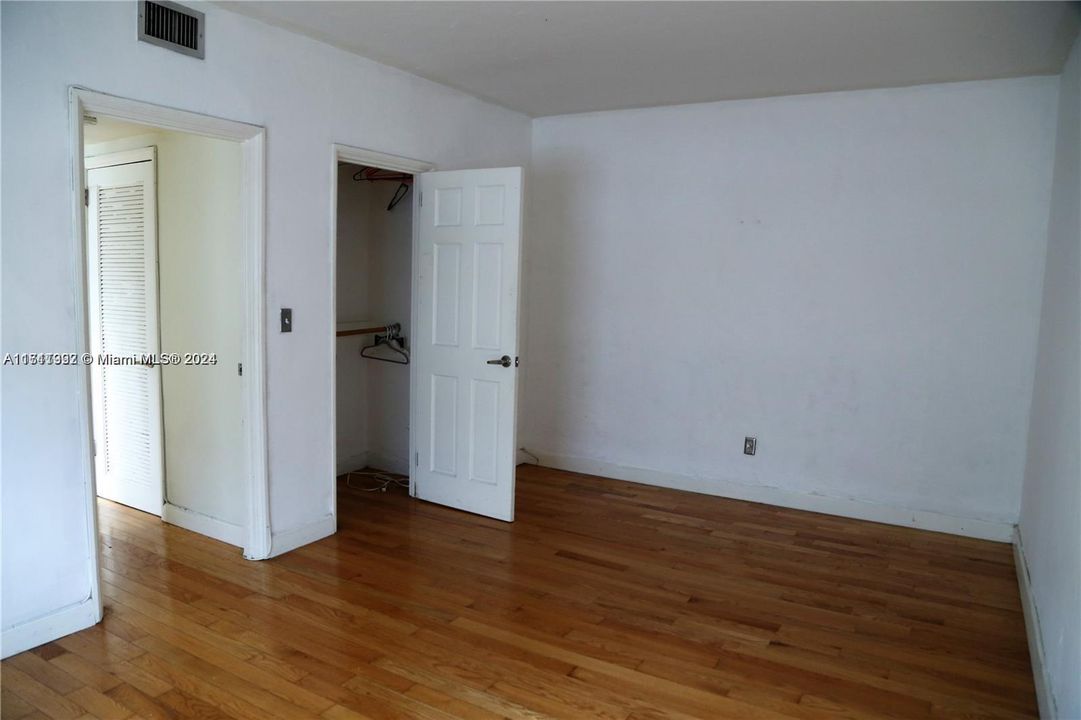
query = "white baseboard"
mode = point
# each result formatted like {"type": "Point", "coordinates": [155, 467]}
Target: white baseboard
{"type": "Point", "coordinates": [356, 461]}
{"type": "Point", "coordinates": [286, 540]}
{"type": "Point", "coordinates": [373, 459]}
{"type": "Point", "coordinates": [55, 625]}
{"type": "Point", "coordinates": [382, 461]}
{"type": "Point", "coordinates": [844, 507]}
{"type": "Point", "coordinates": [524, 456]}
{"type": "Point", "coordinates": [203, 524]}
{"type": "Point", "coordinates": [1044, 697]}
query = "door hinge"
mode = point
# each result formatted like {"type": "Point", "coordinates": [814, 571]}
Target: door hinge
{"type": "Point", "coordinates": [420, 199]}
{"type": "Point", "coordinates": [416, 459]}
{"type": "Point", "coordinates": [240, 369]}
{"type": "Point", "coordinates": [86, 197]}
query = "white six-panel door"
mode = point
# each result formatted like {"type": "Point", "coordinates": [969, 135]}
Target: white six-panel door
{"type": "Point", "coordinates": [123, 284]}
{"type": "Point", "coordinates": [469, 232]}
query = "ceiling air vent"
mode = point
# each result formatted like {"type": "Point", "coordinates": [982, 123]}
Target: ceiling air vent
{"type": "Point", "coordinates": [171, 26]}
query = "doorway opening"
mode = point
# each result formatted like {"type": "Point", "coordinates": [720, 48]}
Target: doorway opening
{"type": "Point", "coordinates": [433, 399]}
{"type": "Point", "coordinates": [165, 279]}
{"type": "Point", "coordinates": [142, 238]}
{"type": "Point", "coordinates": [373, 281]}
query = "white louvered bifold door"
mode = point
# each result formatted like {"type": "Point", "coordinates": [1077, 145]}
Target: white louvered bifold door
{"type": "Point", "coordinates": [123, 284]}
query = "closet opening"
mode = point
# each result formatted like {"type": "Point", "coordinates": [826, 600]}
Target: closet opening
{"type": "Point", "coordinates": [425, 295]}
{"type": "Point", "coordinates": [373, 280]}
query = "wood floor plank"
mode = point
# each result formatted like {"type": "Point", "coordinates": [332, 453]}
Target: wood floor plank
{"type": "Point", "coordinates": [98, 704]}
{"type": "Point", "coordinates": [45, 699]}
{"type": "Point", "coordinates": [603, 599]}
{"type": "Point", "coordinates": [139, 703]}
{"type": "Point", "coordinates": [12, 706]}
{"type": "Point", "coordinates": [46, 673]}
{"type": "Point", "coordinates": [85, 672]}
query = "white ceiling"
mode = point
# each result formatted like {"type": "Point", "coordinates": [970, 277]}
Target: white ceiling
{"type": "Point", "coordinates": [551, 58]}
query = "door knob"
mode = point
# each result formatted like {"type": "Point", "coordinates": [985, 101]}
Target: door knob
{"type": "Point", "coordinates": [504, 361]}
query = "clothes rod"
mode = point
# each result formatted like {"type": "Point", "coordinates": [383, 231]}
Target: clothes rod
{"type": "Point", "coordinates": [362, 331]}
{"type": "Point", "coordinates": [391, 329]}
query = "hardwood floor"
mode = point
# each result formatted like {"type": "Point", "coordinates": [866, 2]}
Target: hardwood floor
{"type": "Point", "coordinates": [605, 599]}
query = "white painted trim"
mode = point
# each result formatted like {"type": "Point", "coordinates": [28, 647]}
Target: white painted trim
{"type": "Point", "coordinates": [256, 537]}
{"type": "Point", "coordinates": [414, 323]}
{"type": "Point", "coordinates": [373, 459]}
{"type": "Point", "coordinates": [59, 623]}
{"type": "Point", "coordinates": [253, 173]}
{"type": "Point", "coordinates": [203, 524]}
{"type": "Point", "coordinates": [844, 507]}
{"type": "Point", "coordinates": [83, 404]}
{"type": "Point", "coordinates": [353, 462]}
{"type": "Point", "coordinates": [1044, 696]}
{"type": "Point", "coordinates": [382, 461]}
{"type": "Point", "coordinates": [123, 157]}
{"type": "Point", "coordinates": [162, 117]}
{"type": "Point", "coordinates": [111, 147]}
{"type": "Point", "coordinates": [296, 537]}
{"type": "Point", "coordinates": [372, 158]}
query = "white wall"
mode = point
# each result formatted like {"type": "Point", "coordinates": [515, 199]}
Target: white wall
{"type": "Point", "coordinates": [353, 289]}
{"type": "Point", "coordinates": [308, 96]}
{"type": "Point", "coordinates": [1050, 527]}
{"type": "Point", "coordinates": [854, 278]}
{"type": "Point", "coordinates": [200, 284]}
{"type": "Point", "coordinates": [390, 297]}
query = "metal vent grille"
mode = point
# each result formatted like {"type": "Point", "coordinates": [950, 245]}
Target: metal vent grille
{"type": "Point", "coordinates": [171, 26]}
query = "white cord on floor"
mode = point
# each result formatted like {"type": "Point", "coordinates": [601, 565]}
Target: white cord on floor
{"type": "Point", "coordinates": [383, 479]}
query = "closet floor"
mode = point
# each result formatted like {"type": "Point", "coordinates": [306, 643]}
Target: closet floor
{"type": "Point", "coordinates": [604, 599]}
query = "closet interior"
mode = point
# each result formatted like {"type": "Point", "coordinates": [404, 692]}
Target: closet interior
{"type": "Point", "coordinates": [374, 299]}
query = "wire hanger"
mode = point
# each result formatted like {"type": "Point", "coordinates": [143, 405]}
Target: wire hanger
{"type": "Point", "coordinates": [374, 174]}
{"type": "Point", "coordinates": [392, 340]}
{"type": "Point", "coordinates": [399, 195]}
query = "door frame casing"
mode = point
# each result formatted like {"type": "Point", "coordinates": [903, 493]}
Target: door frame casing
{"type": "Point", "coordinates": [386, 161]}
{"type": "Point", "coordinates": [252, 139]}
